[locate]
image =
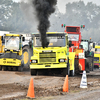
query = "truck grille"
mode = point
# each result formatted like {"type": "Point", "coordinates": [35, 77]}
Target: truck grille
{"type": "Point", "coordinates": [47, 57]}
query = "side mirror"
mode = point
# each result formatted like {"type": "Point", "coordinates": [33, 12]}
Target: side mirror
{"type": "Point", "coordinates": [23, 38]}
{"type": "Point", "coordinates": [93, 45]}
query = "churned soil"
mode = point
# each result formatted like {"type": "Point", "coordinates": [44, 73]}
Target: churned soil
{"type": "Point", "coordinates": [14, 86]}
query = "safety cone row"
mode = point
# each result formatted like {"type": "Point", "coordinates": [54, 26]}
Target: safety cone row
{"type": "Point", "coordinates": [83, 83]}
{"type": "Point", "coordinates": [30, 92]}
{"type": "Point", "coordinates": [65, 86]}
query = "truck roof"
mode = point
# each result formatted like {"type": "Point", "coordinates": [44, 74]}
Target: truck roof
{"type": "Point", "coordinates": [97, 46]}
{"type": "Point", "coordinates": [52, 34]}
{"type": "Point", "coordinates": [13, 35]}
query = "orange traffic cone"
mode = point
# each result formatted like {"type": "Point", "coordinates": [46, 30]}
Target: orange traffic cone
{"type": "Point", "coordinates": [65, 86]}
{"type": "Point", "coordinates": [30, 93]}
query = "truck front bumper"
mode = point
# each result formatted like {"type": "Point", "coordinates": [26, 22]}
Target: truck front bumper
{"type": "Point", "coordinates": [10, 62]}
{"type": "Point", "coordinates": [47, 66]}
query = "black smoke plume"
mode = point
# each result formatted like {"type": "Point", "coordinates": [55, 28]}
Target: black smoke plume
{"type": "Point", "coordinates": [44, 8]}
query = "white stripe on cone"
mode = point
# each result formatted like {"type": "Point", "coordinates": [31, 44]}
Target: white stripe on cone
{"type": "Point", "coordinates": [83, 80]}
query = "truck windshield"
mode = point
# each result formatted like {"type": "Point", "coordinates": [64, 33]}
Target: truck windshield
{"type": "Point", "coordinates": [85, 45]}
{"type": "Point", "coordinates": [12, 42]}
{"type": "Point", "coordinates": [53, 41]}
{"type": "Point", "coordinates": [73, 37]}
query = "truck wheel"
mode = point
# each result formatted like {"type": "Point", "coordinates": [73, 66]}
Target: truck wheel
{"type": "Point", "coordinates": [27, 53]}
{"type": "Point", "coordinates": [33, 72]}
{"type": "Point", "coordinates": [66, 71]}
{"type": "Point", "coordinates": [4, 68]}
{"type": "Point", "coordinates": [20, 68]}
{"type": "Point", "coordinates": [87, 65]}
{"type": "Point", "coordinates": [72, 72]}
{"type": "Point", "coordinates": [9, 68]}
{"type": "Point", "coordinates": [14, 68]}
{"type": "Point", "coordinates": [91, 64]}
{"type": "Point", "coordinates": [0, 67]}
{"type": "Point", "coordinates": [77, 71]}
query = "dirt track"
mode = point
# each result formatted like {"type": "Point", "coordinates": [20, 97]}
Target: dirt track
{"type": "Point", "coordinates": [14, 85]}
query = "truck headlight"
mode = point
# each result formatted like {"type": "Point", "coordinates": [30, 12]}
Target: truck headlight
{"type": "Point", "coordinates": [5, 49]}
{"type": "Point", "coordinates": [61, 60]}
{"type": "Point", "coordinates": [33, 61]}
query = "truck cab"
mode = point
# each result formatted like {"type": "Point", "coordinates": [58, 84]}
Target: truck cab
{"type": "Point", "coordinates": [74, 35]}
{"type": "Point", "coordinates": [54, 56]}
{"type": "Point", "coordinates": [12, 56]}
{"type": "Point", "coordinates": [97, 56]}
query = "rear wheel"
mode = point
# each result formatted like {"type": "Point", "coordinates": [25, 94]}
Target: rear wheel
{"type": "Point", "coordinates": [27, 53]}
{"type": "Point", "coordinates": [20, 68]}
{"type": "Point", "coordinates": [4, 68]}
{"type": "Point", "coordinates": [33, 72]}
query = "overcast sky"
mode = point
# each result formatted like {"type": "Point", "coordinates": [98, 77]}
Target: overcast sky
{"type": "Point", "coordinates": [61, 3]}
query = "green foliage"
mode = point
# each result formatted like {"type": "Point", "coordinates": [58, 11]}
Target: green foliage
{"type": "Point", "coordinates": [12, 18]}
{"type": "Point", "coordinates": [77, 14]}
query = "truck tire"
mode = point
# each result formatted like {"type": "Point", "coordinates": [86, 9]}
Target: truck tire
{"type": "Point", "coordinates": [9, 68]}
{"type": "Point", "coordinates": [0, 67]}
{"type": "Point", "coordinates": [87, 65]}
{"type": "Point", "coordinates": [4, 68]}
{"type": "Point", "coordinates": [77, 71]}
{"type": "Point", "coordinates": [14, 68]}
{"type": "Point", "coordinates": [72, 72]}
{"type": "Point", "coordinates": [33, 72]}
{"type": "Point", "coordinates": [27, 53]}
{"type": "Point", "coordinates": [91, 63]}
{"type": "Point", "coordinates": [20, 68]}
{"type": "Point", "coordinates": [66, 71]}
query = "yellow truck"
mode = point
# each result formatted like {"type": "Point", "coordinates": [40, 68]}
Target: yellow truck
{"type": "Point", "coordinates": [1, 47]}
{"type": "Point", "coordinates": [54, 58]}
{"type": "Point", "coordinates": [11, 59]}
{"type": "Point", "coordinates": [97, 56]}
